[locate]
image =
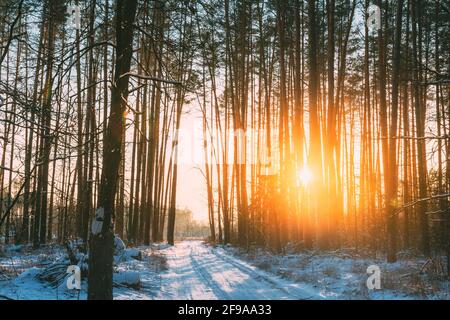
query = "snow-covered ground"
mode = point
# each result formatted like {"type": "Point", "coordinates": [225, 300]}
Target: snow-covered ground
{"type": "Point", "coordinates": [20, 266]}
{"type": "Point", "coordinates": [189, 270]}
{"type": "Point", "coordinates": [194, 270]}
{"type": "Point", "coordinates": [342, 274]}
{"type": "Point", "coordinates": [198, 271]}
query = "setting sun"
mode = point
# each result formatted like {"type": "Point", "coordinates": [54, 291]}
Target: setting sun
{"type": "Point", "coordinates": [304, 176]}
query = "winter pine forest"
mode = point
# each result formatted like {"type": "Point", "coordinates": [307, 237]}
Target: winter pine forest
{"type": "Point", "coordinates": [319, 145]}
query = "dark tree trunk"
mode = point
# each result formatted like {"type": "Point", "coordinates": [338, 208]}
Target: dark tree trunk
{"type": "Point", "coordinates": [391, 192]}
{"type": "Point", "coordinates": [102, 242]}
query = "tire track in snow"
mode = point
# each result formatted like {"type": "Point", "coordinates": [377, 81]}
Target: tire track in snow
{"type": "Point", "coordinates": [197, 271]}
{"type": "Point", "coordinates": [256, 274]}
{"type": "Point", "coordinates": [180, 281]}
{"type": "Point", "coordinates": [203, 273]}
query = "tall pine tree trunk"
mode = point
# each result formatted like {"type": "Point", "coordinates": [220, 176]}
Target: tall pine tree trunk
{"type": "Point", "coordinates": [102, 237]}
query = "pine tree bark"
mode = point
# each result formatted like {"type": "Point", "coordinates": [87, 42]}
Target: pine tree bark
{"type": "Point", "coordinates": [102, 242]}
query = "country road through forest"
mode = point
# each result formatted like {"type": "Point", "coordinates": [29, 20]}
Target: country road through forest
{"type": "Point", "coordinates": [198, 271]}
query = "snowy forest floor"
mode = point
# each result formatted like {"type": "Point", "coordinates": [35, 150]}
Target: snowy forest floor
{"type": "Point", "coordinates": [194, 270]}
{"type": "Point", "coordinates": [342, 274]}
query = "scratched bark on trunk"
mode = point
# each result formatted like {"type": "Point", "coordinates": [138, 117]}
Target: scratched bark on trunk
{"type": "Point", "coordinates": [102, 243]}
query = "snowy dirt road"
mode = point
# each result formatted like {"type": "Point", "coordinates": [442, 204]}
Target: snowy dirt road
{"type": "Point", "coordinates": [188, 270]}
{"type": "Point", "coordinates": [198, 271]}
